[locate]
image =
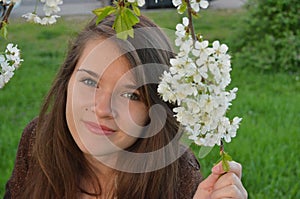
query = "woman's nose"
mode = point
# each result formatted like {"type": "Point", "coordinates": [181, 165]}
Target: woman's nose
{"type": "Point", "coordinates": [103, 105]}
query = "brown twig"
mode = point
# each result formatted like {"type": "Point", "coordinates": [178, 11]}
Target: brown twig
{"type": "Point", "coordinates": [191, 26]}
{"type": "Point", "coordinates": [7, 13]}
{"type": "Point", "coordinates": [221, 147]}
{"type": "Point", "coordinates": [121, 3]}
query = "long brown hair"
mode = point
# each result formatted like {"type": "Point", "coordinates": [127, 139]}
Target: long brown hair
{"type": "Point", "coordinates": [59, 165]}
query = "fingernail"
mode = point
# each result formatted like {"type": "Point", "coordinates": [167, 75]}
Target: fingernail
{"type": "Point", "coordinates": [216, 168]}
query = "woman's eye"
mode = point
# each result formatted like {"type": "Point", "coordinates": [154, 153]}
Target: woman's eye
{"type": "Point", "coordinates": [89, 82]}
{"type": "Point", "coordinates": [131, 96]}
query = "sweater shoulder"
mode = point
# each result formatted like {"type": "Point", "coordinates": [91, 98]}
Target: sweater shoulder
{"type": "Point", "coordinates": [21, 166]}
{"type": "Point", "coordinates": [189, 174]}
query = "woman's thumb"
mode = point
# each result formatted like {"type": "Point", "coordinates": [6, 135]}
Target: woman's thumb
{"type": "Point", "coordinates": [217, 170]}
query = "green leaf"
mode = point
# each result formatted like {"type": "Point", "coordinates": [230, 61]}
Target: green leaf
{"type": "Point", "coordinates": [125, 20]}
{"type": "Point", "coordinates": [195, 15]}
{"type": "Point", "coordinates": [130, 17]}
{"type": "Point", "coordinates": [124, 27]}
{"type": "Point", "coordinates": [225, 165]}
{"type": "Point", "coordinates": [127, 26]}
{"type": "Point", "coordinates": [122, 35]}
{"type": "Point", "coordinates": [182, 7]}
{"type": "Point", "coordinates": [130, 32]}
{"type": "Point", "coordinates": [225, 159]}
{"type": "Point", "coordinates": [118, 24]}
{"type": "Point", "coordinates": [99, 11]}
{"type": "Point", "coordinates": [204, 150]}
{"type": "Point", "coordinates": [114, 2]}
{"type": "Point", "coordinates": [103, 12]}
{"type": "Point", "coordinates": [3, 31]}
{"type": "Point", "coordinates": [136, 10]}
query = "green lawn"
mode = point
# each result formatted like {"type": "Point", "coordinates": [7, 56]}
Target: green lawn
{"type": "Point", "coordinates": [267, 143]}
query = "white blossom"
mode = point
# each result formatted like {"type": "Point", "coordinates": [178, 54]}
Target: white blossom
{"type": "Point", "coordinates": [202, 50]}
{"type": "Point", "coordinates": [139, 2]}
{"type": "Point", "coordinates": [8, 63]}
{"type": "Point", "coordinates": [2, 58]}
{"type": "Point", "coordinates": [204, 4]}
{"type": "Point", "coordinates": [50, 7]}
{"type": "Point", "coordinates": [194, 133]}
{"type": "Point", "coordinates": [168, 95]}
{"type": "Point", "coordinates": [31, 17]}
{"type": "Point", "coordinates": [12, 54]}
{"type": "Point", "coordinates": [196, 82]}
{"type": "Point", "coordinates": [186, 118]}
{"type": "Point", "coordinates": [219, 49]}
{"type": "Point", "coordinates": [197, 5]}
{"type": "Point", "coordinates": [181, 34]}
{"type": "Point", "coordinates": [176, 2]}
{"type": "Point", "coordinates": [186, 46]}
{"type": "Point", "coordinates": [181, 28]}
{"type": "Point", "coordinates": [49, 20]}
{"type": "Point", "coordinates": [2, 83]}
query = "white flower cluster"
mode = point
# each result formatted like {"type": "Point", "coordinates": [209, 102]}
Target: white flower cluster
{"type": "Point", "coordinates": [139, 2]}
{"type": "Point", "coordinates": [50, 7]}
{"type": "Point", "coordinates": [197, 81]}
{"type": "Point", "coordinates": [195, 4]}
{"type": "Point", "coordinates": [9, 62]}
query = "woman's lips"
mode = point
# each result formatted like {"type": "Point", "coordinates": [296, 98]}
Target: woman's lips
{"type": "Point", "coordinates": [98, 129]}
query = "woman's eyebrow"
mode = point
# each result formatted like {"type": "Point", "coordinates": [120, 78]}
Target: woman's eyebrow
{"type": "Point", "coordinates": [131, 86]}
{"type": "Point", "coordinates": [89, 72]}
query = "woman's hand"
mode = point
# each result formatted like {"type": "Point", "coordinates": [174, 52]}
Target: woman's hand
{"type": "Point", "coordinates": [220, 184]}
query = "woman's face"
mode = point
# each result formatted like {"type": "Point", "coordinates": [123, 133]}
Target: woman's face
{"type": "Point", "coordinates": [104, 111]}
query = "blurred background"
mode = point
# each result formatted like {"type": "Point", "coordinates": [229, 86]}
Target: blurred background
{"type": "Point", "coordinates": [264, 42]}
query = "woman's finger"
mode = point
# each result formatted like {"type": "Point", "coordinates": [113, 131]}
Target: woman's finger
{"type": "Point", "coordinates": [233, 167]}
{"type": "Point", "coordinates": [223, 184]}
{"type": "Point", "coordinates": [236, 168]}
{"type": "Point", "coordinates": [232, 183]}
{"type": "Point", "coordinates": [231, 191]}
{"type": "Point", "coordinates": [228, 179]}
{"type": "Point", "coordinates": [209, 182]}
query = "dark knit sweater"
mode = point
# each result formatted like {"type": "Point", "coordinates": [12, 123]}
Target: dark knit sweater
{"type": "Point", "coordinates": [188, 180]}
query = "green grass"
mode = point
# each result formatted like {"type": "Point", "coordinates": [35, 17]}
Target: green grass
{"type": "Point", "coordinates": [226, 22]}
{"type": "Point", "coordinates": [267, 142]}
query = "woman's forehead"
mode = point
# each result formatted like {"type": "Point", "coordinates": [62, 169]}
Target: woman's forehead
{"type": "Point", "coordinates": [99, 54]}
{"type": "Point", "coordinates": [96, 51]}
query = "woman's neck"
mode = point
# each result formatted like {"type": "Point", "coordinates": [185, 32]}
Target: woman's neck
{"type": "Point", "coordinates": [106, 176]}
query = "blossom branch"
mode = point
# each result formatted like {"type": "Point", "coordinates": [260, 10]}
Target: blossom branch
{"type": "Point", "coordinates": [50, 7]}
{"type": "Point", "coordinates": [121, 3]}
{"type": "Point", "coordinates": [9, 62]}
{"type": "Point", "coordinates": [6, 15]}
{"type": "Point", "coordinates": [190, 17]}
{"type": "Point", "coordinates": [196, 82]}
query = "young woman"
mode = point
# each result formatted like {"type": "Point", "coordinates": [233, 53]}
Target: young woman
{"type": "Point", "coordinates": [104, 132]}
